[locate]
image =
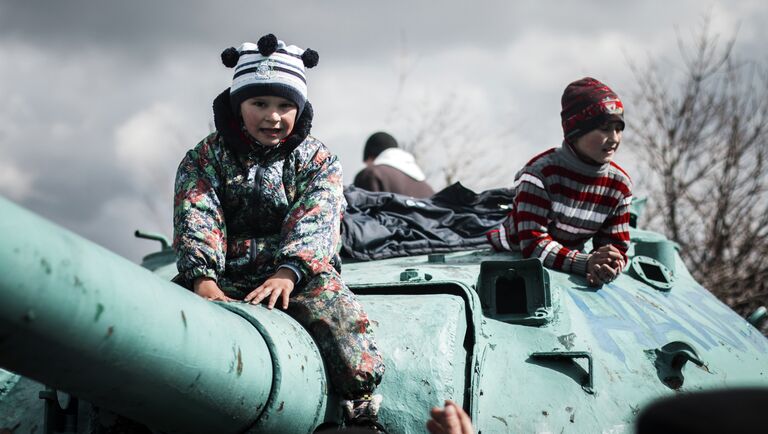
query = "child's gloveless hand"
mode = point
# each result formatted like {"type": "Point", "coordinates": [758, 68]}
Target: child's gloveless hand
{"type": "Point", "coordinates": [605, 264]}
{"type": "Point", "coordinates": [280, 285]}
{"type": "Point", "coordinates": [209, 289]}
{"type": "Point", "coordinates": [451, 419]}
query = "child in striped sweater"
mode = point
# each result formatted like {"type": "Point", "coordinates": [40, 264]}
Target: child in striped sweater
{"type": "Point", "coordinates": [567, 195]}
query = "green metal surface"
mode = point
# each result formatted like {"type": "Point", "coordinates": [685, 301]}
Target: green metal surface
{"type": "Point", "coordinates": [21, 410]}
{"type": "Point", "coordinates": [515, 292]}
{"type": "Point", "coordinates": [621, 326]}
{"type": "Point", "coordinates": [757, 317]}
{"type": "Point", "coordinates": [79, 318]}
{"type": "Point", "coordinates": [656, 246]}
{"type": "Point", "coordinates": [651, 272]}
{"type": "Point", "coordinates": [454, 326]}
{"type": "Point", "coordinates": [422, 339]}
{"type": "Point", "coordinates": [299, 391]}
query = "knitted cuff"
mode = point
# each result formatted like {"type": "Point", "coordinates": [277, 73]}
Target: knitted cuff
{"type": "Point", "coordinates": [579, 264]}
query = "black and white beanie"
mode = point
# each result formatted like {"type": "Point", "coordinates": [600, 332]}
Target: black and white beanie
{"type": "Point", "coordinates": [269, 67]}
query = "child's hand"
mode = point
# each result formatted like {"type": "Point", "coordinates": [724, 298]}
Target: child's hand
{"type": "Point", "coordinates": [451, 420]}
{"type": "Point", "coordinates": [616, 261]}
{"type": "Point", "coordinates": [604, 265]}
{"type": "Point", "coordinates": [209, 289]}
{"type": "Point", "coordinates": [281, 285]}
{"type": "Point", "coordinates": [601, 274]}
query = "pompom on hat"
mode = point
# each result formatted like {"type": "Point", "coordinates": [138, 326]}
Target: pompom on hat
{"type": "Point", "coordinates": [269, 68]}
{"type": "Point", "coordinates": [586, 105]}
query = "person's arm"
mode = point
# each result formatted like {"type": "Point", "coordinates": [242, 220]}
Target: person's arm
{"type": "Point", "coordinates": [310, 234]}
{"type": "Point", "coordinates": [198, 219]}
{"type": "Point", "coordinates": [611, 243]}
{"type": "Point", "coordinates": [531, 215]}
{"type": "Point", "coordinates": [615, 229]}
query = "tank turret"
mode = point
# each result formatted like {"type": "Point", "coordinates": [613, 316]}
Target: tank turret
{"type": "Point", "coordinates": [522, 348]}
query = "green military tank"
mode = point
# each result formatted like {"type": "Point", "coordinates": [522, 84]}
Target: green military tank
{"type": "Point", "coordinates": [92, 343]}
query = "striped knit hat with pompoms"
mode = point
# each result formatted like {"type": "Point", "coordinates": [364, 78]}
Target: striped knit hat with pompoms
{"type": "Point", "coordinates": [269, 68]}
{"type": "Point", "coordinates": [588, 104]}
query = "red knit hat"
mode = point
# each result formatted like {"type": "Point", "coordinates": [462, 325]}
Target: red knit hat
{"type": "Point", "coordinates": [588, 104]}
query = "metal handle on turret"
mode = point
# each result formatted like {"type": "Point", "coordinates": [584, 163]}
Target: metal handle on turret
{"type": "Point", "coordinates": [675, 354]}
{"type": "Point", "coordinates": [165, 244]}
{"type": "Point", "coordinates": [671, 359]}
{"type": "Point", "coordinates": [587, 382]}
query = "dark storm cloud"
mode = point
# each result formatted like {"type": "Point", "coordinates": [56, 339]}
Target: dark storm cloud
{"type": "Point", "coordinates": [339, 29]}
{"type": "Point", "coordinates": [150, 28]}
{"type": "Point", "coordinates": [74, 73]}
{"type": "Point", "coordinates": [354, 28]}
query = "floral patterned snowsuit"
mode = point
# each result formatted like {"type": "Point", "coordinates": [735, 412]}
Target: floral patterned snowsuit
{"type": "Point", "coordinates": [241, 210]}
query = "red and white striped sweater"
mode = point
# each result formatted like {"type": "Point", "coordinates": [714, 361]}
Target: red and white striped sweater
{"type": "Point", "coordinates": [560, 203]}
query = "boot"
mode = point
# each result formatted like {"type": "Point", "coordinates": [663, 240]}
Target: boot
{"type": "Point", "coordinates": [363, 412]}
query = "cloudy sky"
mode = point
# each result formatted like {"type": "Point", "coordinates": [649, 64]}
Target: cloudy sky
{"type": "Point", "coordinates": [100, 100]}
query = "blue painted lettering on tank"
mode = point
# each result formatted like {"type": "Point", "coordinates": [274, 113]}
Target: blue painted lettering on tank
{"type": "Point", "coordinates": [667, 324]}
{"type": "Point", "coordinates": [691, 312]}
{"type": "Point", "coordinates": [606, 323]}
{"type": "Point", "coordinates": [718, 313]}
{"type": "Point", "coordinates": [646, 336]}
{"type": "Point", "coordinates": [659, 325]}
{"type": "Point", "coordinates": [699, 302]}
{"type": "Point", "coordinates": [728, 326]}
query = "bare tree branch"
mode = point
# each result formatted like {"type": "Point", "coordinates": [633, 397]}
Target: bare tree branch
{"type": "Point", "coordinates": [705, 141]}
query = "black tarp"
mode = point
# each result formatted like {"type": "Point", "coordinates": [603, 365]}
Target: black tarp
{"type": "Point", "coordinates": [380, 225]}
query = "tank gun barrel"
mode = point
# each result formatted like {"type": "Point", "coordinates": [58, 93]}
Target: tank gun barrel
{"type": "Point", "coordinates": [84, 320]}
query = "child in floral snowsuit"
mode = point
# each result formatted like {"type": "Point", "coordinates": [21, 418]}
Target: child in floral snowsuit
{"type": "Point", "coordinates": [257, 215]}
